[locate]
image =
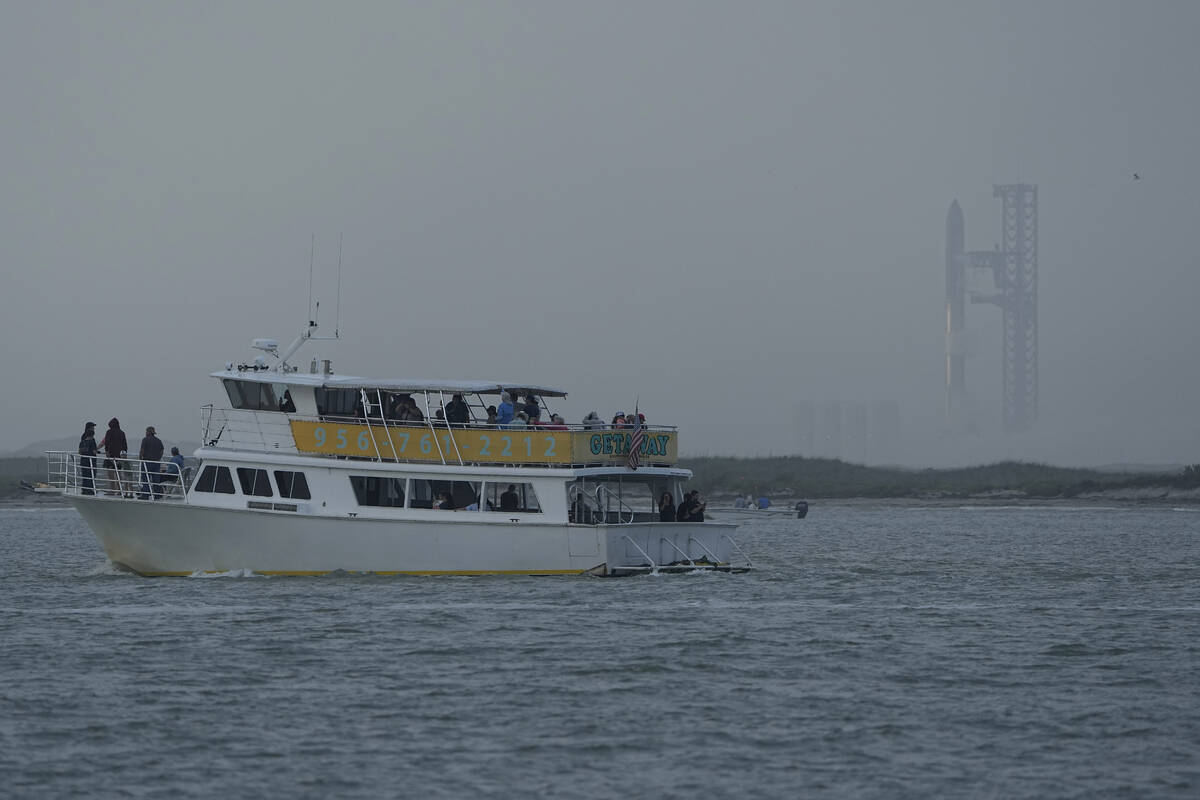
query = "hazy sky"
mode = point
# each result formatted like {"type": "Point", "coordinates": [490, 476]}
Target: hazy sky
{"type": "Point", "coordinates": [725, 209]}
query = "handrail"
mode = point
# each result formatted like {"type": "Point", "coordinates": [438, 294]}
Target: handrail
{"type": "Point", "coordinates": [433, 430]}
{"type": "Point", "coordinates": [450, 429]}
{"type": "Point", "coordinates": [367, 418]}
{"type": "Point", "coordinates": [710, 553]}
{"type": "Point", "coordinates": [686, 557]}
{"type": "Point", "coordinates": [737, 547]}
{"type": "Point", "coordinates": [128, 478]}
{"type": "Point", "coordinates": [653, 566]}
{"type": "Point", "coordinates": [621, 505]}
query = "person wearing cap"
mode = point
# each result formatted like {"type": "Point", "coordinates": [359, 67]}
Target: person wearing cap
{"type": "Point", "coordinates": [150, 454]}
{"type": "Point", "coordinates": [87, 453]}
{"type": "Point", "coordinates": [619, 420]}
{"type": "Point", "coordinates": [532, 408]}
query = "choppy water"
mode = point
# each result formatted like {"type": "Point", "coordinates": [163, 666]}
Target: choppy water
{"type": "Point", "coordinates": [878, 652]}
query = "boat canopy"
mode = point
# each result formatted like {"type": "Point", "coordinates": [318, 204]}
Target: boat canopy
{"type": "Point", "coordinates": [395, 385]}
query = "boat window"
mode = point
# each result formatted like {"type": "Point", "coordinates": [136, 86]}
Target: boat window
{"type": "Point", "coordinates": [338, 402]}
{"type": "Point", "coordinates": [512, 497]}
{"type": "Point", "coordinates": [373, 491]}
{"type": "Point", "coordinates": [454, 495]}
{"type": "Point", "coordinates": [292, 484]}
{"type": "Point", "coordinates": [215, 479]}
{"type": "Point", "coordinates": [254, 482]}
{"type": "Point", "coordinates": [254, 396]}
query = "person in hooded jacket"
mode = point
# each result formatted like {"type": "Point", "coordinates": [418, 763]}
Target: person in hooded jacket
{"type": "Point", "coordinates": [115, 447]}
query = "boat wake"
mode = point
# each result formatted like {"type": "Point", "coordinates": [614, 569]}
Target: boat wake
{"type": "Point", "coordinates": [233, 573]}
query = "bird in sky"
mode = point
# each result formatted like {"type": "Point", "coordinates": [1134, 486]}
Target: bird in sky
{"type": "Point", "coordinates": [1137, 177]}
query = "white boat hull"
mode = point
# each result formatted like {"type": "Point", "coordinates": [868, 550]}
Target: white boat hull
{"type": "Point", "coordinates": [164, 538]}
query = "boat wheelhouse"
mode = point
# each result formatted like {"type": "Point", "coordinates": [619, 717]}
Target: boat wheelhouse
{"type": "Point", "coordinates": [313, 472]}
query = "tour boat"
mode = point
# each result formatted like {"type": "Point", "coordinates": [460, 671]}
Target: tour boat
{"type": "Point", "coordinates": [312, 472]}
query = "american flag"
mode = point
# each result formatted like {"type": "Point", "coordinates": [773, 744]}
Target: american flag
{"type": "Point", "coordinates": [635, 442]}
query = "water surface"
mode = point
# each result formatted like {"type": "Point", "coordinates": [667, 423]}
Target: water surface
{"type": "Point", "coordinates": [876, 652]}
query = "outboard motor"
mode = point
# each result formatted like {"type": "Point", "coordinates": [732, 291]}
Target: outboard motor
{"type": "Point", "coordinates": [802, 509]}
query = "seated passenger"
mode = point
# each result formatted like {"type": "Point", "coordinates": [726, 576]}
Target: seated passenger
{"type": "Point", "coordinates": [505, 411]}
{"type": "Point", "coordinates": [619, 420]}
{"type": "Point", "coordinates": [519, 421]}
{"type": "Point", "coordinates": [457, 412]}
{"type": "Point", "coordinates": [508, 500]}
{"type": "Point", "coordinates": [556, 423]}
{"type": "Point", "coordinates": [592, 421]}
{"type": "Point", "coordinates": [396, 407]}
{"type": "Point", "coordinates": [412, 413]}
{"type": "Point", "coordinates": [491, 415]}
{"type": "Point", "coordinates": [173, 469]}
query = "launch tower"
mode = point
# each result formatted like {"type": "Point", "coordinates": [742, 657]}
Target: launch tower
{"type": "Point", "coordinates": [1013, 265]}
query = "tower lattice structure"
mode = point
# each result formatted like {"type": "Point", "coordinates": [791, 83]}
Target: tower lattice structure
{"type": "Point", "coordinates": [1014, 271]}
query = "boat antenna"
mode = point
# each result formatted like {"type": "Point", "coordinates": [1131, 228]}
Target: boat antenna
{"type": "Point", "coordinates": [311, 249]}
{"type": "Point", "coordinates": [337, 318]}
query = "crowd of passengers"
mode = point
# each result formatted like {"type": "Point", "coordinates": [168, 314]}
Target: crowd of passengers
{"type": "Point", "coordinates": [116, 475]}
{"type": "Point", "coordinates": [510, 413]}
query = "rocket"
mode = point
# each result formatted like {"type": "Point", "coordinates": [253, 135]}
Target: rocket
{"type": "Point", "coordinates": [956, 293]}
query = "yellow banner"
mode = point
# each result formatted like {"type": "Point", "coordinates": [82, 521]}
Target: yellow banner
{"type": "Point", "coordinates": [517, 446]}
{"type": "Point", "coordinates": [498, 446]}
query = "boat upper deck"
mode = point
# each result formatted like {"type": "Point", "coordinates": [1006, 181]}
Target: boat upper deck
{"type": "Point", "coordinates": [422, 421]}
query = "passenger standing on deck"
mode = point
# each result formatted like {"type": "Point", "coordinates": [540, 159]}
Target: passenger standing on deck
{"type": "Point", "coordinates": [87, 460]}
{"type": "Point", "coordinates": [666, 508]}
{"type": "Point", "coordinates": [504, 412]}
{"type": "Point", "coordinates": [457, 412]}
{"type": "Point", "coordinates": [696, 509]}
{"type": "Point", "coordinates": [684, 509]}
{"type": "Point", "coordinates": [150, 453]}
{"type": "Point", "coordinates": [508, 500]}
{"type": "Point", "coordinates": [115, 447]}
{"type": "Point", "coordinates": [532, 409]}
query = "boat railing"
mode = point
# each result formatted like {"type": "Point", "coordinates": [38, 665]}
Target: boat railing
{"type": "Point", "coordinates": [606, 498]}
{"type": "Point", "coordinates": [129, 478]}
{"type": "Point", "coordinates": [375, 437]}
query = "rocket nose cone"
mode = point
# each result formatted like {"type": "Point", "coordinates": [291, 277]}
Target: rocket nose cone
{"type": "Point", "coordinates": [954, 215]}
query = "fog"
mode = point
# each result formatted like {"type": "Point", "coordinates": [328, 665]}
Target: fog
{"type": "Point", "coordinates": [726, 213]}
